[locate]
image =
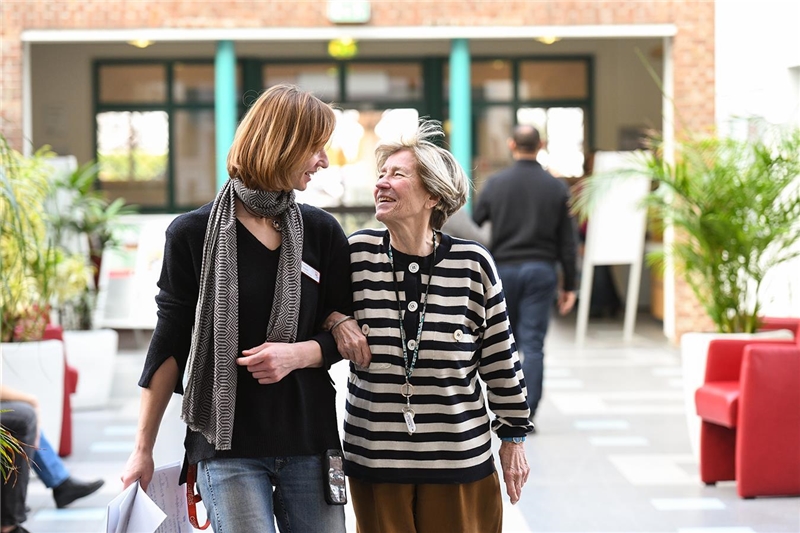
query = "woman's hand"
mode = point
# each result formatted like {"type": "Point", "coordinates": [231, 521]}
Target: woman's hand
{"type": "Point", "coordinates": [273, 361]}
{"type": "Point", "coordinates": [351, 343]}
{"type": "Point", "coordinates": [140, 466]}
{"type": "Point", "coordinates": [515, 468]}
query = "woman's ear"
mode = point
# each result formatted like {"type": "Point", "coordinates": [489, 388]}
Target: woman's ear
{"type": "Point", "coordinates": [432, 202]}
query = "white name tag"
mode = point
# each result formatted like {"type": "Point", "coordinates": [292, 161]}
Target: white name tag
{"type": "Point", "coordinates": [310, 271]}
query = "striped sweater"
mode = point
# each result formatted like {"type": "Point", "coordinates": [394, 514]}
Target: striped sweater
{"type": "Point", "coordinates": [466, 335]}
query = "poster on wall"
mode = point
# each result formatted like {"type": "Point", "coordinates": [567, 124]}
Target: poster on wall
{"type": "Point", "coordinates": [129, 273]}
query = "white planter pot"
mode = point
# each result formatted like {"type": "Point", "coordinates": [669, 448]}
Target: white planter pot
{"type": "Point", "coordinates": [38, 368]}
{"type": "Point", "coordinates": [93, 353]}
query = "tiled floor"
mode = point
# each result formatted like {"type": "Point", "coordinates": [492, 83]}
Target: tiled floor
{"type": "Point", "coordinates": [612, 452]}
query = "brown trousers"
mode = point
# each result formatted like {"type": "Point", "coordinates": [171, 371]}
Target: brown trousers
{"type": "Point", "coordinates": [402, 508]}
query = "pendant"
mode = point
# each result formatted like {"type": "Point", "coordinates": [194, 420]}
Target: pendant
{"type": "Point", "coordinates": [408, 415]}
{"type": "Point", "coordinates": [406, 390]}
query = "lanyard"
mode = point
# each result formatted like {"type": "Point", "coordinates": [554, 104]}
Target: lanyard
{"type": "Point", "coordinates": [407, 390]}
{"type": "Point", "coordinates": [192, 498]}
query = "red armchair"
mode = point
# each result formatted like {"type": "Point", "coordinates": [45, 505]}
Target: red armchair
{"type": "Point", "coordinates": [750, 410]}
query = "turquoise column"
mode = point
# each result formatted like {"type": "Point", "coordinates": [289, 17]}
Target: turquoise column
{"type": "Point", "coordinates": [224, 105]}
{"type": "Point", "coordinates": [461, 106]}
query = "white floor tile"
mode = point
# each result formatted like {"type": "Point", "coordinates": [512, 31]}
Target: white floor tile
{"type": "Point", "coordinates": [562, 383]}
{"type": "Point", "coordinates": [71, 515]}
{"type": "Point", "coordinates": [656, 469]}
{"type": "Point", "coordinates": [688, 504]}
{"type": "Point", "coordinates": [618, 441]}
{"type": "Point", "coordinates": [598, 424]}
{"type": "Point", "coordinates": [112, 447]}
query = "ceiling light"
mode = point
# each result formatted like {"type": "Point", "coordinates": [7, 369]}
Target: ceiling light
{"type": "Point", "coordinates": [140, 43]}
{"type": "Point", "coordinates": [548, 39]}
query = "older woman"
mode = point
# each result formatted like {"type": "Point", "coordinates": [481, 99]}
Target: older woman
{"type": "Point", "coordinates": [430, 318]}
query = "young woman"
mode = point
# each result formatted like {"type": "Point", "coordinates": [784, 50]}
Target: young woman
{"type": "Point", "coordinates": [245, 286]}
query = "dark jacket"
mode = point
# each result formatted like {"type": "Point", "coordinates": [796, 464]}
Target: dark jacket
{"type": "Point", "coordinates": [529, 212]}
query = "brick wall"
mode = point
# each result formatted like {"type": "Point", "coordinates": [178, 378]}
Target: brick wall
{"type": "Point", "coordinates": [693, 47]}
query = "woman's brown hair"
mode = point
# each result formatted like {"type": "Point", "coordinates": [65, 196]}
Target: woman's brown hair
{"type": "Point", "coordinates": [277, 135]}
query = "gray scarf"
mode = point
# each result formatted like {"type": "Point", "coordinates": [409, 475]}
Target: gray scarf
{"type": "Point", "coordinates": [210, 396]}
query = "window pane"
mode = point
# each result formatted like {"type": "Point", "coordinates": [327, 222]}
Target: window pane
{"type": "Point", "coordinates": [132, 152]}
{"type": "Point", "coordinates": [322, 79]}
{"type": "Point", "coordinates": [194, 154]}
{"type": "Point", "coordinates": [493, 128]}
{"type": "Point", "coordinates": [392, 81]}
{"type": "Point", "coordinates": [563, 130]}
{"type": "Point", "coordinates": [490, 80]}
{"type": "Point", "coordinates": [553, 79]}
{"type": "Point", "coordinates": [350, 177]}
{"type": "Point", "coordinates": [133, 84]}
{"type": "Point", "coordinates": [193, 83]}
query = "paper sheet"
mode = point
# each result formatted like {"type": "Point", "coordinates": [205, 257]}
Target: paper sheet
{"type": "Point", "coordinates": [162, 509]}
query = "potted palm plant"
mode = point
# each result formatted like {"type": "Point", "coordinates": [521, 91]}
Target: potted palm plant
{"type": "Point", "coordinates": [735, 206]}
{"type": "Point", "coordinates": [83, 219]}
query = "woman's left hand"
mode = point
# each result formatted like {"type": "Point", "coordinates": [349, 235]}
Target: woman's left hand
{"type": "Point", "coordinates": [273, 361]}
{"type": "Point", "coordinates": [515, 468]}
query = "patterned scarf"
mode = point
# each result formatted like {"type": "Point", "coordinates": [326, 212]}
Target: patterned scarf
{"type": "Point", "coordinates": [210, 396]}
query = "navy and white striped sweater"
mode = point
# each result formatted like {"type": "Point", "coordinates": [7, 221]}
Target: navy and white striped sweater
{"type": "Point", "coordinates": [466, 335]}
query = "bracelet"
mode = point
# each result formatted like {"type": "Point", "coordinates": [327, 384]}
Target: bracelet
{"type": "Point", "coordinates": [341, 320]}
{"type": "Point", "coordinates": [515, 440]}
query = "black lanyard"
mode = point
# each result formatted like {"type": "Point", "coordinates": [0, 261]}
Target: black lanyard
{"type": "Point", "coordinates": [409, 368]}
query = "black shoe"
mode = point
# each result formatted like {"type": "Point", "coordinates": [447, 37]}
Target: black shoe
{"type": "Point", "coordinates": [19, 529]}
{"type": "Point", "coordinates": [72, 489]}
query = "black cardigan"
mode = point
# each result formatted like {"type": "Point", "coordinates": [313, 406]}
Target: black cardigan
{"type": "Point", "coordinates": [296, 416]}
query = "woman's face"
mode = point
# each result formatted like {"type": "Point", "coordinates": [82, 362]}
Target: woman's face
{"type": "Point", "coordinates": [399, 193]}
{"type": "Point", "coordinates": [316, 161]}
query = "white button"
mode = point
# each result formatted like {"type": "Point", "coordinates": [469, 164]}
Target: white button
{"type": "Point", "coordinates": [412, 306]}
{"type": "Point", "coordinates": [413, 268]}
{"type": "Point", "coordinates": [458, 334]}
{"type": "Point", "coordinates": [412, 344]}
{"type": "Point", "coordinates": [365, 329]}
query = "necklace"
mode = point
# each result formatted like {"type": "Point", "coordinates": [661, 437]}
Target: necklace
{"type": "Point", "coordinates": [407, 390]}
{"type": "Point", "coordinates": [276, 224]}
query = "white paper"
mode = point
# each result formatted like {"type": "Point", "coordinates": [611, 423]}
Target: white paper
{"type": "Point", "coordinates": [170, 498]}
{"type": "Point", "coordinates": [133, 512]}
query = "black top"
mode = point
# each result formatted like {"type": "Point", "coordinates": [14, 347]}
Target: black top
{"type": "Point", "coordinates": [296, 416]}
{"type": "Point", "coordinates": [529, 212]}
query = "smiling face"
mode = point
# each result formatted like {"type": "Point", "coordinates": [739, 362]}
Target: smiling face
{"type": "Point", "coordinates": [316, 161]}
{"type": "Point", "coordinates": [400, 197]}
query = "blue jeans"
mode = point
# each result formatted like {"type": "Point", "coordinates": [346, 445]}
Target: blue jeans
{"type": "Point", "coordinates": [48, 465]}
{"type": "Point", "coordinates": [530, 290]}
{"type": "Point", "coordinates": [243, 495]}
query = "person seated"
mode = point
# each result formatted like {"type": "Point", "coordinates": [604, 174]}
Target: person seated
{"type": "Point", "coordinates": [54, 474]}
{"type": "Point", "coordinates": [46, 462]}
{"type": "Point", "coordinates": [20, 419]}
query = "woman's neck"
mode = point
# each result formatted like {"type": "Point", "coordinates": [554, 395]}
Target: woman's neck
{"type": "Point", "coordinates": [416, 241]}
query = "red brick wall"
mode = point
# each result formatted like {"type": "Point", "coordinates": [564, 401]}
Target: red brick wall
{"type": "Point", "coordinates": [693, 47]}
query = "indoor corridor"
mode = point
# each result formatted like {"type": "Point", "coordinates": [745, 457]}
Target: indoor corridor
{"type": "Point", "coordinates": [612, 452]}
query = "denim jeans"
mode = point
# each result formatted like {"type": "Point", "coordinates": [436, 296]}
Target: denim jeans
{"type": "Point", "coordinates": [48, 465]}
{"type": "Point", "coordinates": [530, 290]}
{"type": "Point", "coordinates": [243, 495]}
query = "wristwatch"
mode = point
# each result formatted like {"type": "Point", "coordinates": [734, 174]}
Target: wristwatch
{"type": "Point", "coordinates": [515, 440]}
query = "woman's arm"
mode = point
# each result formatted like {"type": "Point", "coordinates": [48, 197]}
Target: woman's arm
{"type": "Point", "coordinates": [350, 340]}
{"type": "Point", "coordinates": [154, 400]}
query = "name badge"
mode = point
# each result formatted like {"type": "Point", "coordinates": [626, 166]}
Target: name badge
{"type": "Point", "coordinates": [310, 271]}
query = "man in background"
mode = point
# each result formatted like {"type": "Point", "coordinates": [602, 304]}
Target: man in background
{"type": "Point", "coordinates": [532, 233]}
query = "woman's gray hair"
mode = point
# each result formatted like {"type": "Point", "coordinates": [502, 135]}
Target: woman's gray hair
{"type": "Point", "coordinates": [439, 171]}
